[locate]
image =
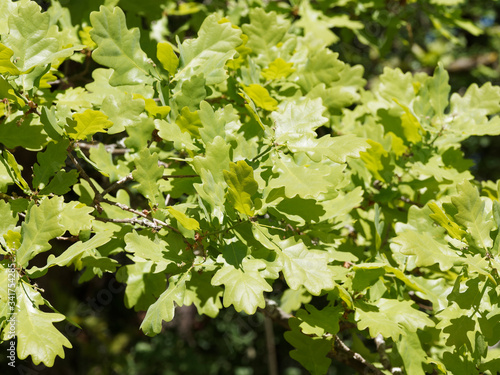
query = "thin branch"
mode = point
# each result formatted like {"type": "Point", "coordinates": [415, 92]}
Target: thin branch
{"type": "Point", "coordinates": [111, 148]}
{"type": "Point", "coordinates": [117, 184]}
{"type": "Point", "coordinates": [180, 176]}
{"type": "Point", "coordinates": [86, 177]}
{"type": "Point", "coordinates": [272, 362]}
{"type": "Point", "coordinates": [344, 354]}
{"type": "Point", "coordinates": [133, 221]}
{"type": "Point", "coordinates": [149, 221]}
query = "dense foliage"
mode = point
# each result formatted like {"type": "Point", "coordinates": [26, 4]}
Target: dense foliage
{"type": "Point", "coordinates": [231, 160]}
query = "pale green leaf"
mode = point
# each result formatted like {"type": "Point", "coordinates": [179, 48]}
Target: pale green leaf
{"type": "Point", "coordinates": [164, 308]}
{"type": "Point", "coordinates": [390, 318]}
{"type": "Point", "coordinates": [208, 53]}
{"type": "Point", "coordinates": [439, 90]}
{"type": "Point", "coordinates": [118, 47]}
{"type": "Point", "coordinates": [243, 287]}
{"type": "Point", "coordinates": [103, 160]}
{"type": "Point", "coordinates": [36, 334]}
{"type": "Point", "coordinates": [73, 254]}
{"type": "Point", "coordinates": [337, 149]}
{"type": "Point", "coordinates": [216, 159]}
{"type": "Point", "coordinates": [33, 39]}
{"type": "Point", "coordinates": [472, 214]}
{"type": "Point", "coordinates": [305, 267]}
{"type": "Point", "coordinates": [298, 120]}
{"type": "Point", "coordinates": [265, 31]}
{"type": "Point", "coordinates": [412, 354]}
{"type": "Point", "coordinates": [42, 224]}
{"type": "Point", "coordinates": [321, 66]}
{"type": "Point", "coordinates": [145, 248]}
{"type": "Point", "coordinates": [304, 180]}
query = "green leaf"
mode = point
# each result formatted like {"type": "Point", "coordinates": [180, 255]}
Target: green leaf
{"type": "Point", "coordinates": [88, 123]}
{"type": "Point", "coordinates": [265, 31]}
{"type": "Point", "coordinates": [123, 110]}
{"type": "Point", "coordinates": [42, 224]}
{"type": "Point", "coordinates": [321, 67]}
{"type": "Point", "coordinates": [310, 352]}
{"type": "Point", "coordinates": [242, 186]}
{"type": "Point", "coordinates": [439, 89]}
{"type": "Point", "coordinates": [61, 183]}
{"type": "Point", "coordinates": [426, 249]}
{"type": "Point", "coordinates": [214, 122]}
{"type": "Point", "coordinates": [320, 322]}
{"type": "Point", "coordinates": [164, 308]}
{"type": "Point", "coordinates": [396, 85]}
{"type": "Point", "coordinates": [73, 254]}
{"type": "Point", "coordinates": [119, 48]}
{"type": "Point", "coordinates": [10, 164]}
{"type": "Point", "coordinates": [24, 131]}
{"type": "Point", "coordinates": [472, 214]}
{"type": "Point", "coordinates": [103, 160]}
{"type": "Point", "coordinates": [143, 285]}
{"type": "Point", "coordinates": [412, 354]}
{"type": "Point", "coordinates": [36, 334]}
{"type": "Point", "coordinates": [192, 91]}
{"type": "Point", "coordinates": [244, 287]}
{"type": "Point", "coordinates": [390, 318]}
{"type": "Point", "coordinates": [292, 300]}
{"type": "Point", "coordinates": [167, 57]}
{"type": "Point", "coordinates": [206, 297]}
{"type": "Point", "coordinates": [8, 220]}
{"type": "Point", "coordinates": [49, 121]}
{"type": "Point", "coordinates": [216, 159]}
{"type": "Point", "coordinates": [49, 162]}
{"type": "Point", "coordinates": [209, 52]}
{"type": "Point", "coordinates": [147, 174]}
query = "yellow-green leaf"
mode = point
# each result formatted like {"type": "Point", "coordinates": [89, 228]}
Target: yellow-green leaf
{"type": "Point", "coordinates": [152, 109]}
{"type": "Point", "coordinates": [189, 122]}
{"type": "Point", "coordinates": [278, 69]}
{"type": "Point", "coordinates": [6, 64]}
{"type": "Point", "coordinates": [186, 222]}
{"type": "Point", "coordinates": [442, 219]}
{"type": "Point", "coordinates": [260, 96]}
{"type": "Point", "coordinates": [165, 53]}
{"type": "Point", "coordinates": [242, 186]}
{"type": "Point", "coordinates": [88, 123]}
